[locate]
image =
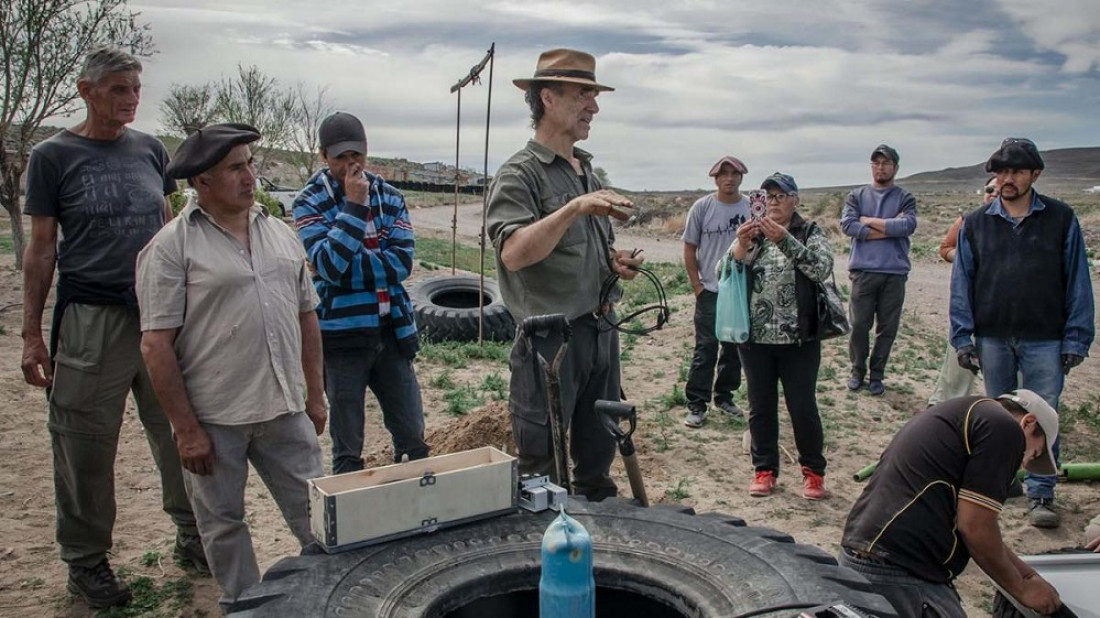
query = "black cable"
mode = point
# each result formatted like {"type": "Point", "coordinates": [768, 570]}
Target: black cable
{"type": "Point", "coordinates": [775, 608]}
{"type": "Point", "coordinates": [661, 308]}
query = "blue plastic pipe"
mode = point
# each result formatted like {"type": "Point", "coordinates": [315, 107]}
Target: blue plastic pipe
{"type": "Point", "coordinates": [566, 587]}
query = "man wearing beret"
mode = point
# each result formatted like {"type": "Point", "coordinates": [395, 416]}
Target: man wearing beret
{"type": "Point", "coordinates": [711, 228]}
{"type": "Point", "coordinates": [1022, 241]}
{"type": "Point", "coordinates": [231, 340]}
{"type": "Point", "coordinates": [104, 186]}
{"type": "Point", "coordinates": [357, 233]}
{"type": "Point", "coordinates": [880, 218]}
{"type": "Point", "coordinates": [548, 220]}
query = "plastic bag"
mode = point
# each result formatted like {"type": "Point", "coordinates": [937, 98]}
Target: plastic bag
{"type": "Point", "coordinates": [731, 320]}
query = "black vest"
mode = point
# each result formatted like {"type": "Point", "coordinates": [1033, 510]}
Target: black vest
{"type": "Point", "coordinates": [1019, 284]}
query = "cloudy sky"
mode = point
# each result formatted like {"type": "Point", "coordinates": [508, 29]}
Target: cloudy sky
{"type": "Point", "coordinates": [808, 88]}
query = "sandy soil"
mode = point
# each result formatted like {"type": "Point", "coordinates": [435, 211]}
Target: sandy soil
{"type": "Point", "coordinates": [707, 468]}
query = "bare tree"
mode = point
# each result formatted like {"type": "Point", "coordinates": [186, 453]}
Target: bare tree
{"type": "Point", "coordinates": [312, 107]}
{"type": "Point", "coordinates": [42, 45]}
{"type": "Point", "coordinates": [187, 109]}
{"type": "Point", "coordinates": [256, 99]}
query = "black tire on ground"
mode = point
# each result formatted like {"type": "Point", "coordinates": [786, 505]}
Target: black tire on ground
{"type": "Point", "coordinates": [447, 309]}
{"type": "Point", "coordinates": [655, 562]}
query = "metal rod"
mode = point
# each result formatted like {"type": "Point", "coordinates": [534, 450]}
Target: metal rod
{"type": "Point", "coordinates": [485, 201]}
{"type": "Point", "coordinates": [454, 215]}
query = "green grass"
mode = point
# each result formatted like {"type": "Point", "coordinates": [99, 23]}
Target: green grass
{"type": "Point", "coordinates": [457, 354]}
{"type": "Point", "coordinates": [673, 399]}
{"type": "Point", "coordinates": [435, 253]}
{"type": "Point", "coordinates": [680, 492]}
{"type": "Point", "coordinates": [152, 600]}
{"type": "Point", "coordinates": [6, 243]}
{"type": "Point", "coordinates": [461, 400]}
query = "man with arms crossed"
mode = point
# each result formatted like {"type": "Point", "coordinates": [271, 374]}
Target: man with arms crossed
{"type": "Point", "coordinates": [104, 186]}
{"type": "Point", "coordinates": [232, 343]}
{"type": "Point", "coordinates": [880, 218]}
{"type": "Point", "coordinates": [548, 220]}
{"type": "Point", "coordinates": [710, 230]}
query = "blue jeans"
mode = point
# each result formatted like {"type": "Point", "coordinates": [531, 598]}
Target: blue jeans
{"type": "Point", "coordinates": [1039, 364]}
{"type": "Point", "coordinates": [354, 363]}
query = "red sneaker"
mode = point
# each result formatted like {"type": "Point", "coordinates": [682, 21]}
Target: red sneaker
{"type": "Point", "coordinates": [762, 484]}
{"type": "Point", "coordinates": [813, 484]}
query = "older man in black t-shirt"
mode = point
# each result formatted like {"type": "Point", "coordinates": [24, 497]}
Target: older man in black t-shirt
{"type": "Point", "coordinates": [935, 497]}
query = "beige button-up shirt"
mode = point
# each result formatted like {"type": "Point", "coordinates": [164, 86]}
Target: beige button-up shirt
{"type": "Point", "coordinates": [237, 310]}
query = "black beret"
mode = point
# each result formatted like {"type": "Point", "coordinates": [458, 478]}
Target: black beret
{"type": "Point", "coordinates": [204, 148]}
{"type": "Point", "coordinates": [1015, 153]}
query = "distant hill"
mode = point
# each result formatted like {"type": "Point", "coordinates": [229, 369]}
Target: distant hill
{"type": "Point", "coordinates": [1067, 170]}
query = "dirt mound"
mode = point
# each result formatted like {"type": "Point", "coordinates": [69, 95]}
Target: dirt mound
{"type": "Point", "coordinates": [488, 425]}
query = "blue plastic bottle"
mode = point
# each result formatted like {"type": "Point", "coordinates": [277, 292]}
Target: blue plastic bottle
{"type": "Point", "coordinates": [566, 588]}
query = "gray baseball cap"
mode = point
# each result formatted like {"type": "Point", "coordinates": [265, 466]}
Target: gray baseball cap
{"type": "Point", "coordinates": [341, 132]}
{"type": "Point", "coordinates": [886, 151]}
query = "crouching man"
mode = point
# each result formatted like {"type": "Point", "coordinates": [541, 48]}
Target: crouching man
{"type": "Point", "coordinates": [234, 349]}
{"type": "Point", "coordinates": [934, 501]}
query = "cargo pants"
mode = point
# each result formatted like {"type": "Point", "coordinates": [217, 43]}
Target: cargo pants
{"type": "Point", "coordinates": [97, 364]}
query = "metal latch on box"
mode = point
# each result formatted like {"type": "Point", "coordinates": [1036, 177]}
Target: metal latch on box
{"type": "Point", "coordinates": [537, 493]}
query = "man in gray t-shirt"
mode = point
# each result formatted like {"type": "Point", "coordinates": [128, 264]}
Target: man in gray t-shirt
{"type": "Point", "coordinates": [103, 186]}
{"type": "Point", "coordinates": [710, 229]}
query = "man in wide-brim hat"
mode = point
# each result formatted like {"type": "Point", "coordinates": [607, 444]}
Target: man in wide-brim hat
{"type": "Point", "coordinates": [548, 220]}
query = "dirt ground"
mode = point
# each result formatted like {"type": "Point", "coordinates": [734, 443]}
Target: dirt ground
{"type": "Point", "coordinates": [706, 468]}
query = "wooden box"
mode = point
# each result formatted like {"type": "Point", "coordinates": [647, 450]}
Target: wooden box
{"type": "Point", "coordinates": [376, 505]}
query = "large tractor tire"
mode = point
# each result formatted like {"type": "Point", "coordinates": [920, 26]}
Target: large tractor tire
{"type": "Point", "coordinates": [447, 309]}
{"type": "Point", "coordinates": [661, 562]}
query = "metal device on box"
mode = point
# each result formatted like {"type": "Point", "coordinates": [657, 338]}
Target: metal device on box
{"type": "Point", "coordinates": [537, 493]}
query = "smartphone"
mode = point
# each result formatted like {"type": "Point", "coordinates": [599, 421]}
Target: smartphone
{"type": "Point", "coordinates": [758, 205]}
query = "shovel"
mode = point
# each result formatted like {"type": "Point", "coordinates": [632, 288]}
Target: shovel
{"type": "Point", "coordinates": [546, 324]}
{"type": "Point", "coordinates": [612, 414]}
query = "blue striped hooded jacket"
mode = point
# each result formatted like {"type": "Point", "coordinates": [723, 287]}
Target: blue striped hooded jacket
{"type": "Point", "coordinates": [360, 255]}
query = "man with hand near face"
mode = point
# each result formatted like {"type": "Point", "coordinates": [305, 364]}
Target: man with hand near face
{"type": "Point", "coordinates": [710, 230]}
{"type": "Point", "coordinates": [233, 349]}
{"type": "Point", "coordinates": [548, 219]}
{"type": "Point", "coordinates": [1021, 297]}
{"type": "Point", "coordinates": [359, 239]}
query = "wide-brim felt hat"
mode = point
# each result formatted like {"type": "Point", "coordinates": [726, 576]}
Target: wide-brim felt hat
{"type": "Point", "coordinates": [564, 65]}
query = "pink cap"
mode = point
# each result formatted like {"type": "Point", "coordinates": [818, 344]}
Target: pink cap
{"type": "Point", "coordinates": [734, 161]}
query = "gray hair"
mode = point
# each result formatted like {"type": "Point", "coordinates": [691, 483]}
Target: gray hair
{"type": "Point", "coordinates": [533, 96]}
{"type": "Point", "coordinates": [103, 61]}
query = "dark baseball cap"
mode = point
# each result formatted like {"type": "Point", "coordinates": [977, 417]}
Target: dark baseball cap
{"type": "Point", "coordinates": [1017, 153]}
{"type": "Point", "coordinates": [885, 151]}
{"type": "Point", "coordinates": [784, 182]}
{"type": "Point", "coordinates": [204, 148]}
{"type": "Point", "coordinates": [341, 132]}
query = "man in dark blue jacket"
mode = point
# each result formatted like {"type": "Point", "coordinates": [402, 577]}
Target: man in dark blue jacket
{"type": "Point", "coordinates": [1022, 241]}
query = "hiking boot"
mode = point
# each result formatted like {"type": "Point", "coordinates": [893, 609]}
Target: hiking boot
{"type": "Point", "coordinates": [854, 383]}
{"type": "Point", "coordinates": [696, 418]}
{"type": "Point", "coordinates": [1041, 513]}
{"type": "Point", "coordinates": [762, 484]}
{"type": "Point", "coordinates": [98, 586]}
{"type": "Point", "coordinates": [876, 387]}
{"type": "Point", "coordinates": [189, 554]}
{"type": "Point", "coordinates": [729, 408]}
{"type": "Point", "coordinates": [813, 484]}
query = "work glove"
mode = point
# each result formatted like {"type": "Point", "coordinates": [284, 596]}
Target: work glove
{"type": "Point", "coordinates": [1069, 361]}
{"type": "Point", "coordinates": [968, 359]}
